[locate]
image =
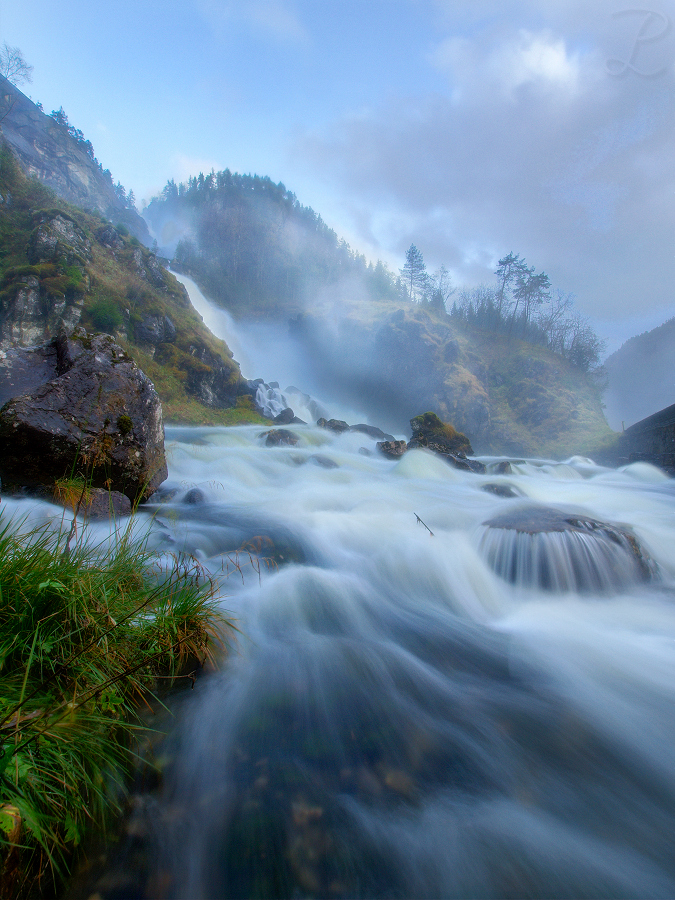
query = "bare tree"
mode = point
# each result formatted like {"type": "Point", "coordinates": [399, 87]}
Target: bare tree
{"type": "Point", "coordinates": [17, 71]}
{"type": "Point", "coordinates": [14, 67]}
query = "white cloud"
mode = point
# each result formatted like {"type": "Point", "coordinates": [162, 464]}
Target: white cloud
{"type": "Point", "coordinates": [537, 60]}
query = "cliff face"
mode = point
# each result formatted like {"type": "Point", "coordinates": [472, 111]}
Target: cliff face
{"type": "Point", "coordinates": [46, 150]}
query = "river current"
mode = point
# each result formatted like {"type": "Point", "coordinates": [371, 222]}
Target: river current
{"type": "Point", "coordinates": [398, 716]}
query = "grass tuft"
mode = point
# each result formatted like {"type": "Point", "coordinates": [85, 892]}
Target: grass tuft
{"type": "Point", "coordinates": [84, 635]}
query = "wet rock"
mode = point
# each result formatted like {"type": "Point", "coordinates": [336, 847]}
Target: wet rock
{"type": "Point", "coordinates": [462, 462]}
{"type": "Point", "coordinates": [155, 330]}
{"type": "Point", "coordinates": [364, 451]}
{"type": "Point", "coordinates": [503, 467]}
{"type": "Point", "coordinates": [279, 436]}
{"type": "Point", "coordinates": [563, 551]}
{"type": "Point", "coordinates": [336, 425]}
{"type": "Point", "coordinates": [58, 238]}
{"type": "Point", "coordinates": [324, 461]}
{"type": "Point", "coordinates": [108, 236]}
{"type": "Point", "coordinates": [392, 449]}
{"type": "Point", "coordinates": [101, 504]}
{"type": "Point", "coordinates": [29, 316]}
{"type": "Point", "coordinates": [285, 417]}
{"type": "Point", "coordinates": [373, 432]}
{"type": "Point", "coordinates": [501, 490]}
{"type": "Point", "coordinates": [98, 416]}
{"type": "Point", "coordinates": [215, 381]}
{"type": "Point", "coordinates": [194, 497]}
{"type": "Point", "coordinates": [429, 431]}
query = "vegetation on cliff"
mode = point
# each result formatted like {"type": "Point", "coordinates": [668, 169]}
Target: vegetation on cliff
{"type": "Point", "coordinates": [62, 266]}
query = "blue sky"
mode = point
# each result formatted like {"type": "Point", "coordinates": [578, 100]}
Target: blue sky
{"type": "Point", "coordinates": [472, 129]}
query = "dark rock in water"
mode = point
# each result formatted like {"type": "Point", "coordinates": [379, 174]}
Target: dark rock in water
{"type": "Point", "coordinates": [336, 425]}
{"type": "Point", "coordinates": [106, 504]}
{"type": "Point", "coordinates": [548, 548]}
{"type": "Point", "coordinates": [279, 436]}
{"type": "Point", "coordinates": [428, 431]}
{"type": "Point", "coordinates": [324, 461]}
{"type": "Point", "coordinates": [194, 496]}
{"type": "Point", "coordinates": [98, 416]}
{"type": "Point", "coordinates": [501, 490]}
{"type": "Point", "coordinates": [285, 417]}
{"type": "Point", "coordinates": [392, 449]}
{"type": "Point", "coordinates": [462, 462]}
{"type": "Point", "coordinates": [364, 451]}
{"type": "Point", "coordinates": [503, 467]}
{"type": "Point", "coordinates": [373, 432]}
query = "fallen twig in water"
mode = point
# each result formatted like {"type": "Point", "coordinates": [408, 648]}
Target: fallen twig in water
{"type": "Point", "coordinates": [420, 522]}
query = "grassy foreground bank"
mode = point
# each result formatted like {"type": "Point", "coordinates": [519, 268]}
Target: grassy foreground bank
{"type": "Point", "coordinates": [86, 634]}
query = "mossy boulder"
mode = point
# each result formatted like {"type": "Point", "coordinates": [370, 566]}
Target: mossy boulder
{"type": "Point", "coordinates": [429, 431]}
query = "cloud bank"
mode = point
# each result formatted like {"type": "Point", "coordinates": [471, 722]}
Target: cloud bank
{"type": "Point", "coordinates": [552, 135]}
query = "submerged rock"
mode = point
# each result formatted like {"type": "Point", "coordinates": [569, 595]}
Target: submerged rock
{"type": "Point", "coordinates": [98, 417]}
{"type": "Point", "coordinates": [537, 546]}
{"type": "Point", "coordinates": [277, 436]}
{"type": "Point", "coordinates": [373, 431]}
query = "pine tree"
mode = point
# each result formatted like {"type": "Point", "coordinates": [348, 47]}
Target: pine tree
{"type": "Point", "coordinates": [414, 273]}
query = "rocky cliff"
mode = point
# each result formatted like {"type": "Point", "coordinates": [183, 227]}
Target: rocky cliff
{"type": "Point", "coordinates": [46, 149]}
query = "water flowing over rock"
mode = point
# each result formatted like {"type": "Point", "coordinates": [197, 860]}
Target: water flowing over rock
{"type": "Point", "coordinates": [97, 416]}
{"type": "Point", "coordinates": [547, 548]}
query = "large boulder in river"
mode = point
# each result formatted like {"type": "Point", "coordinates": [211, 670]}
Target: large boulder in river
{"type": "Point", "coordinates": [429, 431]}
{"type": "Point", "coordinates": [92, 413]}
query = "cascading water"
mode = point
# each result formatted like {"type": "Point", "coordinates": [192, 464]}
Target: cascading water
{"type": "Point", "coordinates": [404, 713]}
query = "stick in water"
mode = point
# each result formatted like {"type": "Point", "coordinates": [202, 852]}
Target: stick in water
{"type": "Point", "coordinates": [420, 522]}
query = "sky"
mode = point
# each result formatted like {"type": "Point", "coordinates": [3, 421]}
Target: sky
{"type": "Point", "coordinates": [470, 128]}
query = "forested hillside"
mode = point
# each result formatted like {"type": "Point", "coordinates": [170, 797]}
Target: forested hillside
{"type": "Point", "coordinates": [254, 248]}
{"type": "Point", "coordinates": [509, 363]}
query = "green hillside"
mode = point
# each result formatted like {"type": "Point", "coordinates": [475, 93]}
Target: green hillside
{"type": "Point", "coordinates": [62, 266]}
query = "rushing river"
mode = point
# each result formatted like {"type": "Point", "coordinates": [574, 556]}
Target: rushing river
{"type": "Point", "coordinates": [419, 703]}
{"type": "Point", "coordinates": [406, 713]}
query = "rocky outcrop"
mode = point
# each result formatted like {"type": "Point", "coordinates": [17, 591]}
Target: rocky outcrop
{"type": "Point", "coordinates": [47, 151]}
{"type": "Point", "coordinates": [155, 330]}
{"type": "Point", "coordinates": [95, 415]}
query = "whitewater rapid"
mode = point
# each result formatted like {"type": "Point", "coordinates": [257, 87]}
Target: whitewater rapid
{"type": "Point", "coordinates": [395, 719]}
